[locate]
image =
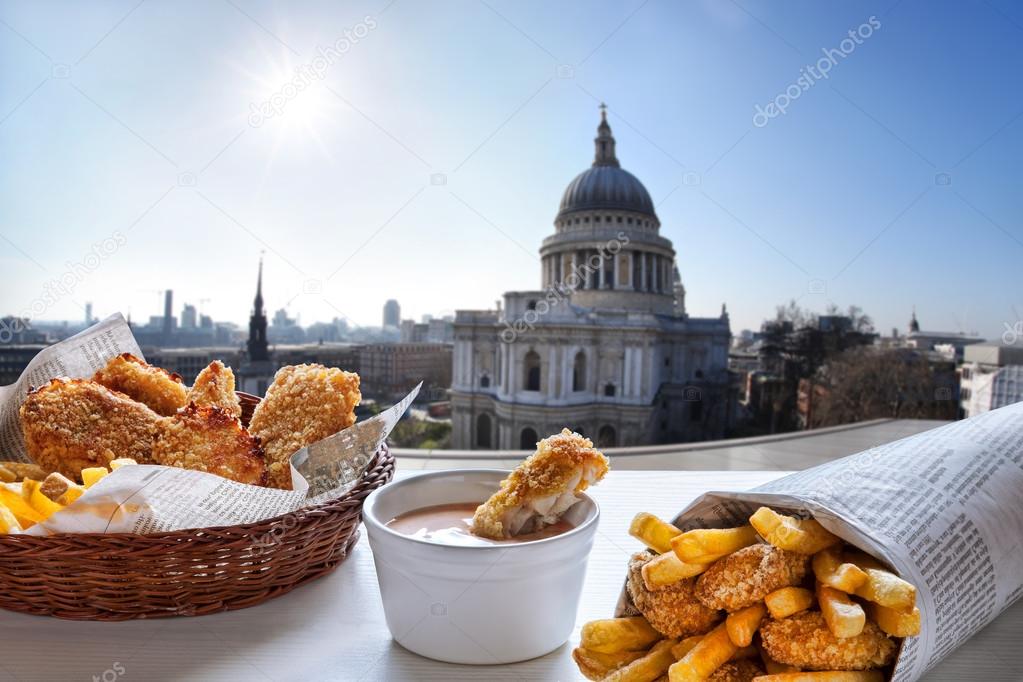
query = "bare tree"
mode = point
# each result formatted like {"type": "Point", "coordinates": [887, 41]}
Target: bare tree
{"type": "Point", "coordinates": [865, 383]}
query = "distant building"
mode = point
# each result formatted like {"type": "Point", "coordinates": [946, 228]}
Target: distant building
{"type": "Point", "coordinates": [606, 346]}
{"type": "Point", "coordinates": [392, 314]}
{"type": "Point", "coordinates": [255, 371]}
{"type": "Point", "coordinates": [88, 314]}
{"type": "Point", "coordinates": [168, 313]}
{"type": "Point", "coordinates": [432, 330]}
{"type": "Point", "coordinates": [14, 358]}
{"type": "Point", "coordinates": [991, 377]}
{"type": "Point", "coordinates": [18, 330]}
{"type": "Point", "coordinates": [390, 370]}
{"type": "Point", "coordinates": [188, 317]}
{"type": "Point", "coordinates": [931, 340]}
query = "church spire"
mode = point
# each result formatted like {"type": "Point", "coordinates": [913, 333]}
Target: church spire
{"type": "Point", "coordinates": [257, 304]}
{"type": "Point", "coordinates": [258, 346]}
{"type": "Point", "coordinates": [604, 142]}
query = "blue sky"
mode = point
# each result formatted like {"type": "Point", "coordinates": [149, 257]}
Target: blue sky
{"type": "Point", "coordinates": [893, 182]}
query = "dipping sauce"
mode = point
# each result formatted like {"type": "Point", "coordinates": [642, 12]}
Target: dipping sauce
{"type": "Point", "coordinates": [449, 524]}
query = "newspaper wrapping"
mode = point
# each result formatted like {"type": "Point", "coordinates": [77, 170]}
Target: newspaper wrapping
{"type": "Point", "coordinates": [147, 498]}
{"type": "Point", "coordinates": [944, 508]}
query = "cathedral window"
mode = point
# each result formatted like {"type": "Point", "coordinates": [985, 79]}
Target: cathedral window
{"type": "Point", "coordinates": [531, 370]}
{"type": "Point", "coordinates": [483, 431]}
{"type": "Point", "coordinates": [609, 390]}
{"type": "Point", "coordinates": [528, 439]}
{"type": "Point", "coordinates": [484, 381]}
{"type": "Point", "coordinates": [606, 437]}
{"type": "Point", "coordinates": [579, 372]}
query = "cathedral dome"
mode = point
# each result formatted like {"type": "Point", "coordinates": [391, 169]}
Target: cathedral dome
{"type": "Point", "coordinates": [606, 185]}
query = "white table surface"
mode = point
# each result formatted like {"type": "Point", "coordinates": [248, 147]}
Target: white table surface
{"type": "Point", "coordinates": [333, 628]}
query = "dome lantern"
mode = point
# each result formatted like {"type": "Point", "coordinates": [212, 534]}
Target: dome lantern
{"type": "Point", "coordinates": [606, 185]}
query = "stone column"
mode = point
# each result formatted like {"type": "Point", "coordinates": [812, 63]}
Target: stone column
{"type": "Point", "coordinates": [642, 270]}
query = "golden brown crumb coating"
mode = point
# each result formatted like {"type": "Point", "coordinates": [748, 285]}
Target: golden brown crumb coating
{"type": "Point", "coordinates": [304, 404]}
{"type": "Point", "coordinates": [542, 487]}
{"type": "Point", "coordinates": [162, 391]}
{"type": "Point", "coordinates": [743, 670]}
{"type": "Point", "coordinates": [73, 424]}
{"type": "Point", "coordinates": [19, 471]}
{"type": "Point", "coordinates": [745, 577]}
{"type": "Point", "coordinates": [672, 610]}
{"type": "Point", "coordinates": [215, 386]}
{"type": "Point", "coordinates": [209, 439]}
{"type": "Point", "coordinates": [804, 640]}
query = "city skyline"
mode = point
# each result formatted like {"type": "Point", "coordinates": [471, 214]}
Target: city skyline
{"type": "Point", "coordinates": [127, 175]}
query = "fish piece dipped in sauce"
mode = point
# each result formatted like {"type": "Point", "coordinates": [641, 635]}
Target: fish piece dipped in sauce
{"type": "Point", "coordinates": [542, 488]}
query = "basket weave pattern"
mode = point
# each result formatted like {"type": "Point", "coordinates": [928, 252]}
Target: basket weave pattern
{"type": "Point", "coordinates": [120, 576]}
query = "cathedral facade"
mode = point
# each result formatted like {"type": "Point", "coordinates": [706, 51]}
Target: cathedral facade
{"type": "Point", "coordinates": [605, 347]}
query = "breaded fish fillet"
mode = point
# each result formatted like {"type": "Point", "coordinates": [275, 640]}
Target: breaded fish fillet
{"type": "Point", "coordinates": [745, 577]}
{"type": "Point", "coordinates": [73, 424]}
{"type": "Point", "coordinates": [162, 391]}
{"type": "Point", "coordinates": [304, 404]}
{"type": "Point", "coordinates": [673, 610]}
{"type": "Point", "coordinates": [804, 640]}
{"type": "Point", "coordinates": [209, 439]}
{"type": "Point", "coordinates": [743, 670]}
{"type": "Point", "coordinates": [542, 488]}
{"type": "Point", "coordinates": [215, 386]}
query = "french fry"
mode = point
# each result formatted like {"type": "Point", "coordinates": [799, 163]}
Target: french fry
{"type": "Point", "coordinates": [93, 475]}
{"type": "Point", "coordinates": [8, 521]}
{"type": "Point", "coordinates": [833, 572]}
{"type": "Point", "coordinates": [653, 532]}
{"type": "Point", "coordinates": [667, 569]}
{"type": "Point", "coordinates": [845, 618]}
{"type": "Point", "coordinates": [713, 651]}
{"type": "Point", "coordinates": [786, 601]}
{"type": "Point", "coordinates": [744, 623]}
{"type": "Point", "coordinates": [31, 492]}
{"type": "Point", "coordinates": [707, 545]}
{"type": "Point", "coordinates": [595, 665]}
{"type": "Point", "coordinates": [827, 676]}
{"type": "Point", "coordinates": [895, 623]}
{"type": "Point", "coordinates": [773, 667]}
{"type": "Point", "coordinates": [71, 494]}
{"type": "Point", "coordinates": [116, 464]}
{"type": "Point", "coordinates": [882, 586]}
{"type": "Point", "coordinates": [6, 475]}
{"type": "Point", "coordinates": [10, 497]}
{"type": "Point", "coordinates": [613, 635]}
{"type": "Point", "coordinates": [805, 536]}
{"type": "Point", "coordinates": [648, 668]}
{"type": "Point", "coordinates": [685, 646]}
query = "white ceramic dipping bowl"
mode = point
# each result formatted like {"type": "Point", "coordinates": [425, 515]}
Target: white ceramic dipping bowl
{"type": "Point", "coordinates": [478, 605]}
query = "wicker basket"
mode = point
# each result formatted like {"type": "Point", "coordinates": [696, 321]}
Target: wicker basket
{"type": "Point", "coordinates": [119, 576]}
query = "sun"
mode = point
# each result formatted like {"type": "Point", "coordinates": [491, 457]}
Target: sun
{"type": "Point", "coordinates": [291, 103]}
